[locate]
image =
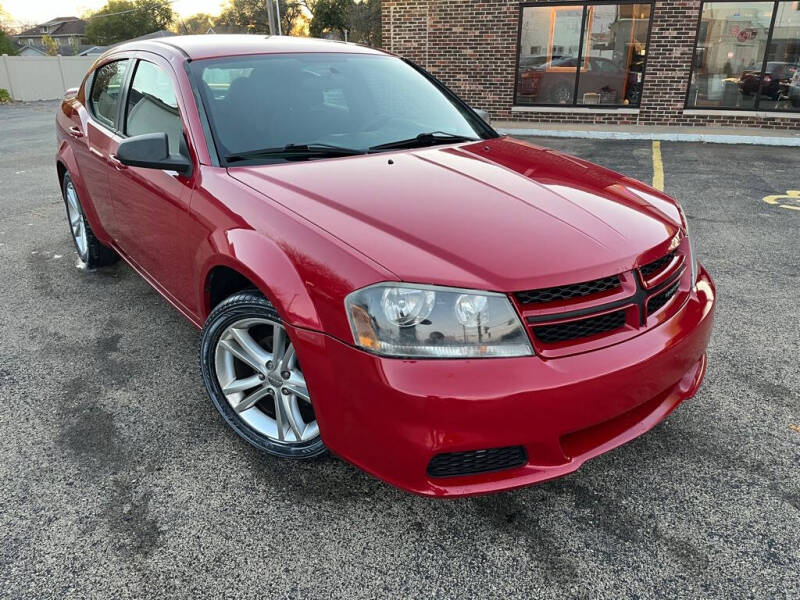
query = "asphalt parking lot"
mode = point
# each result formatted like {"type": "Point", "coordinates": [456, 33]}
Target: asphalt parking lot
{"type": "Point", "coordinates": [119, 479]}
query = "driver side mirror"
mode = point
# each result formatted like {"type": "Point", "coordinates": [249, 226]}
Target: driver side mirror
{"type": "Point", "coordinates": [151, 151]}
{"type": "Point", "coordinates": [483, 114]}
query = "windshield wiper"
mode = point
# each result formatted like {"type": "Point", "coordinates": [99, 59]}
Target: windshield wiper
{"type": "Point", "coordinates": [295, 151]}
{"type": "Point", "coordinates": [430, 138]}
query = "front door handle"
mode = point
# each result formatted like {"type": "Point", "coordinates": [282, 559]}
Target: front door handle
{"type": "Point", "coordinates": [75, 132]}
{"type": "Point", "coordinates": [116, 162]}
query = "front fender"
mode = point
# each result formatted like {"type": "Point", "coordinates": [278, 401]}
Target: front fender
{"type": "Point", "coordinates": [264, 263]}
{"type": "Point", "coordinates": [300, 267]}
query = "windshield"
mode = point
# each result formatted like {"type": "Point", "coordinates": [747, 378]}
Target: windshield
{"type": "Point", "coordinates": [350, 101]}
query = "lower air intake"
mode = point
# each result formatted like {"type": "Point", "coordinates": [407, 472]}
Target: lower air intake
{"type": "Point", "coordinates": [456, 464]}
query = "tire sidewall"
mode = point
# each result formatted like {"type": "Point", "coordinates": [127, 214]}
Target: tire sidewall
{"type": "Point", "coordinates": [241, 306]}
{"type": "Point", "coordinates": [67, 182]}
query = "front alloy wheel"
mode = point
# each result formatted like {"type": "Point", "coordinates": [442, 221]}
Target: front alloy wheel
{"type": "Point", "coordinates": [255, 380]}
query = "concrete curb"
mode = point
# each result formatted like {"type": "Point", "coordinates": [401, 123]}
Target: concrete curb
{"type": "Point", "coordinates": [758, 140]}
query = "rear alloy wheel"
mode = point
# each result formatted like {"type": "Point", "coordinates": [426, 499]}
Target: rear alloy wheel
{"type": "Point", "coordinates": [90, 250]}
{"type": "Point", "coordinates": [254, 378]}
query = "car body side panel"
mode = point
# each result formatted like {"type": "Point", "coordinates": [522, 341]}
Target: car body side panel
{"type": "Point", "coordinates": [66, 156]}
{"type": "Point", "coordinates": [151, 205]}
{"type": "Point", "coordinates": [86, 167]}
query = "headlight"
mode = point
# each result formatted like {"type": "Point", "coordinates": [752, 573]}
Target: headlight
{"type": "Point", "coordinates": [420, 321]}
{"type": "Point", "coordinates": [692, 259]}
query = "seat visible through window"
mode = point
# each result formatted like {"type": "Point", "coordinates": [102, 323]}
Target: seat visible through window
{"type": "Point", "coordinates": [152, 106]}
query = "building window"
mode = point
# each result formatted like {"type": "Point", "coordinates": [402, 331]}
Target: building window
{"type": "Point", "coordinates": [747, 57]}
{"type": "Point", "coordinates": [582, 54]}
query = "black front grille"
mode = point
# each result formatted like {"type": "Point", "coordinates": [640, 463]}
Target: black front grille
{"type": "Point", "coordinates": [565, 292]}
{"type": "Point", "coordinates": [571, 330]}
{"type": "Point", "coordinates": [659, 300]}
{"type": "Point", "coordinates": [654, 267]}
{"type": "Point", "coordinates": [456, 464]}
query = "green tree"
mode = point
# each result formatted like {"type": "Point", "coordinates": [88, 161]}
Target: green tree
{"type": "Point", "coordinates": [121, 20]}
{"type": "Point", "coordinates": [246, 16]}
{"type": "Point", "coordinates": [292, 16]}
{"type": "Point", "coordinates": [50, 45]}
{"type": "Point", "coordinates": [361, 19]}
{"type": "Point", "coordinates": [252, 16]}
{"type": "Point", "coordinates": [309, 5]}
{"type": "Point", "coordinates": [330, 16]}
{"type": "Point", "coordinates": [194, 25]}
{"type": "Point", "coordinates": [364, 22]}
{"type": "Point", "coordinates": [6, 45]}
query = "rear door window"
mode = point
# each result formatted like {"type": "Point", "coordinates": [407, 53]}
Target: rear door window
{"type": "Point", "coordinates": [107, 91]}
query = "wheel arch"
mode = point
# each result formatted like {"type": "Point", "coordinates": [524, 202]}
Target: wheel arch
{"type": "Point", "coordinates": [66, 163]}
{"type": "Point", "coordinates": [61, 170]}
{"type": "Point", "coordinates": [222, 282]}
{"type": "Point", "coordinates": [247, 258]}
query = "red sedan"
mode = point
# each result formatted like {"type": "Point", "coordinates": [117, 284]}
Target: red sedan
{"type": "Point", "coordinates": [375, 270]}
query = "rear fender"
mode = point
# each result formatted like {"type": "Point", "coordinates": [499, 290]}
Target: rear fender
{"type": "Point", "coordinates": [66, 158]}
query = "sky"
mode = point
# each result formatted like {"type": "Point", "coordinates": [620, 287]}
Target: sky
{"type": "Point", "coordinates": [39, 11]}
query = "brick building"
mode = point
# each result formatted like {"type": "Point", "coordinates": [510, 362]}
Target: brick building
{"type": "Point", "coordinates": [664, 63]}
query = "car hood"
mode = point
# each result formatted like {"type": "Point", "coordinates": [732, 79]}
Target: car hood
{"type": "Point", "coordinates": [499, 214]}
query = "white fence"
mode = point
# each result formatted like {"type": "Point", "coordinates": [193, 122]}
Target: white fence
{"type": "Point", "coordinates": [42, 77]}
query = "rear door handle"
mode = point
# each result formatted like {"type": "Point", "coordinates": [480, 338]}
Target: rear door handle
{"type": "Point", "coordinates": [75, 132]}
{"type": "Point", "coordinates": [116, 162]}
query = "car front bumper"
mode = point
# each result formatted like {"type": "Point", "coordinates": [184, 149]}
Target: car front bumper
{"type": "Point", "coordinates": [392, 416]}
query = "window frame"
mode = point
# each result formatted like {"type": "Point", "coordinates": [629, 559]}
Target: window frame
{"type": "Point", "coordinates": [584, 4]}
{"type": "Point", "coordinates": [123, 132]}
{"type": "Point", "coordinates": [757, 100]}
{"type": "Point", "coordinates": [123, 95]}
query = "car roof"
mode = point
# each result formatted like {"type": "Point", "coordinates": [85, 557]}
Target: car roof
{"type": "Point", "coordinates": [197, 47]}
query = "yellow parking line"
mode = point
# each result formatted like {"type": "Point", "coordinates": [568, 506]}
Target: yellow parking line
{"type": "Point", "coordinates": [658, 167]}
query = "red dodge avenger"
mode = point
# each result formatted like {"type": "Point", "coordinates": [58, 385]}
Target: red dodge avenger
{"type": "Point", "coordinates": [375, 270]}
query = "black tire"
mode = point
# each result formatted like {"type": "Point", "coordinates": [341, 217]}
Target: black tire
{"type": "Point", "coordinates": [245, 305]}
{"type": "Point", "coordinates": [96, 254]}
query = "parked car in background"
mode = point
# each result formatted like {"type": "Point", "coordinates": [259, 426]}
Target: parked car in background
{"type": "Point", "coordinates": [553, 81]}
{"type": "Point", "coordinates": [791, 90]}
{"type": "Point", "coordinates": [375, 270]}
{"type": "Point", "coordinates": [775, 74]}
